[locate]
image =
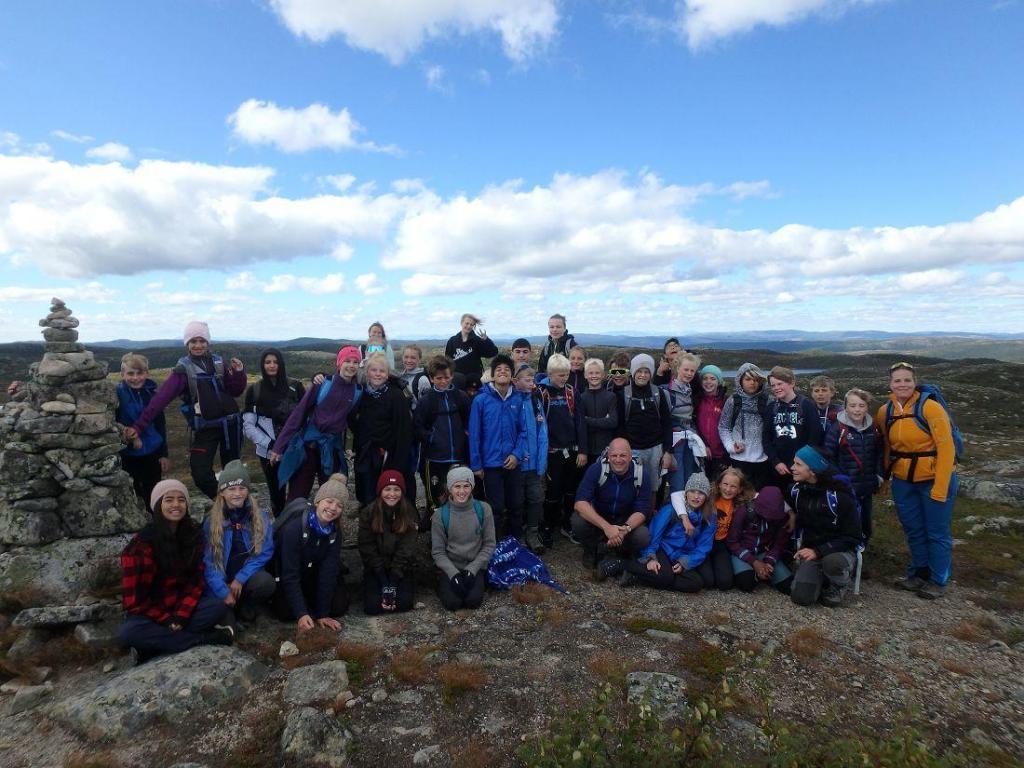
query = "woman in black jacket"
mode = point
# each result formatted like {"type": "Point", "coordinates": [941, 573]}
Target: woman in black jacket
{"type": "Point", "coordinates": [468, 347]}
{"type": "Point", "coordinates": [387, 545]}
{"type": "Point", "coordinates": [826, 515]}
{"type": "Point", "coordinates": [307, 559]}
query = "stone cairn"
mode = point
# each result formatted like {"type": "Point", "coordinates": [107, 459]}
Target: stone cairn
{"type": "Point", "coordinates": [67, 509]}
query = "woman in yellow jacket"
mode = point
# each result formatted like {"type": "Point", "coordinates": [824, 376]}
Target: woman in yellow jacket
{"type": "Point", "coordinates": [922, 464]}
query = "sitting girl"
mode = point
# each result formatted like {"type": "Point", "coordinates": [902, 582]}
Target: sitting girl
{"type": "Point", "coordinates": [671, 560]}
{"type": "Point", "coordinates": [758, 537]}
{"type": "Point", "coordinates": [462, 542]}
{"type": "Point", "coordinates": [163, 581]}
{"type": "Point", "coordinates": [730, 491]}
{"type": "Point", "coordinates": [307, 559]}
{"type": "Point", "coordinates": [238, 545]}
{"type": "Point", "coordinates": [387, 545]}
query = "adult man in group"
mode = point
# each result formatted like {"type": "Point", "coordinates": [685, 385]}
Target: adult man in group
{"type": "Point", "coordinates": [613, 505]}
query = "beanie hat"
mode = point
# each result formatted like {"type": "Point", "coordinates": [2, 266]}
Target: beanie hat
{"type": "Point", "coordinates": [335, 487]}
{"type": "Point", "coordinates": [712, 370]}
{"type": "Point", "coordinates": [500, 360]}
{"type": "Point", "coordinates": [390, 477]}
{"type": "Point", "coordinates": [521, 368]}
{"type": "Point", "coordinates": [698, 481]}
{"type": "Point", "coordinates": [162, 488]}
{"type": "Point", "coordinates": [233, 474]}
{"type": "Point", "coordinates": [460, 475]}
{"type": "Point", "coordinates": [196, 329]}
{"type": "Point", "coordinates": [521, 343]}
{"type": "Point", "coordinates": [641, 361]}
{"type": "Point", "coordinates": [769, 504]}
{"type": "Point", "coordinates": [348, 353]}
{"type": "Point", "coordinates": [812, 459]}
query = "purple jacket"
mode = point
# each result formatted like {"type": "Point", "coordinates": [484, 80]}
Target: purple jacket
{"type": "Point", "coordinates": [330, 416]}
{"type": "Point", "coordinates": [758, 528]}
{"type": "Point", "coordinates": [176, 384]}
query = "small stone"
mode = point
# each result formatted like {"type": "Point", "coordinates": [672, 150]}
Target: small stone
{"type": "Point", "coordinates": [109, 667]}
{"type": "Point", "coordinates": [59, 314]}
{"type": "Point", "coordinates": [351, 703]}
{"type": "Point", "coordinates": [659, 634]}
{"type": "Point", "coordinates": [28, 645]}
{"type": "Point", "coordinates": [423, 731]}
{"type": "Point", "coordinates": [57, 406]}
{"type": "Point", "coordinates": [38, 675]}
{"type": "Point", "coordinates": [426, 754]}
{"type": "Point", "coordinates": [311, 738]}
{"type": "Point", "coordinates": [99, 635]}
{"type": "Point", "coordinates": [378, 696]}
{"type": "Point", "coordinates": [665, 694]}
{"type": "Point", "coordinates": [288, 648]}
{"type": "Point", "coordinates": [316, 683]}
{"type": "Point", "coordinates": [56, 305]}
{"type": "Point", "coordinates": [60, 334]}
{"type": "Point", "coordinates": [64, 397]}
{"type": "Point", "coordinates": [409, 697]}
{"type": "Point", "coordinates": [12, 686]}
{"type": "Point", "coordinates": [998, 645]}
{"type": "Point", "coordinates": [30, 696]}
{"type": "Point", "coordinates": [420, 606]}
{"type": "Point", "coordinates": [342, 699]}
{"type": "Point", "coordinates": [64, 346]}
{"type": "Point", "coordinates": [57, 615]}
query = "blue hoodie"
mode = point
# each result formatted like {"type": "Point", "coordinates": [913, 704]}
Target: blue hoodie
{"type": "Point", "coordinates": [130, 405]}
{"type": "Point", "coordinates": [668, 535]}
{"type": "Point", "coordinates": [535, 427]}
{"type": "Point", "coordinates": [495, 429]}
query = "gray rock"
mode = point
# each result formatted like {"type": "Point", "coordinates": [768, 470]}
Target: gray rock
{"type": "Point", "coordinates": [169, 688]}
{"type": "Point", "coordinates": [12, 686]}
{"type": "Point", "coordinates": [594, 624]}
{"type": "Point", "coordinates": [27, 527]}
{"type": "Point", "coordinates": [665, 694]}
{"type": "Point", "coordinates": [101, 511]}
{"type": "Point", "coordinates": [288, 648]}
{"type": "Point", "coordinates": [409, 697]}
{"type": "Point", "coordinates": [57, 573]}
{"type": "Point", "coordinates": [26, 475]}
{"type": "Point", "coordinates": [30, 697]}
{"type": "Point", "coordinates": [57, 314]}
{"type": "Point", "coordinates": [59, 615]}
{"type": "Point", "coordinates": [311, 738]}
{"type": "Point", "coordinates": [101, 635]}
{"type": "Point", "coordinates": [27, 646]}
{"type": "Point", "coordinates": [425, 755]}
{"type": "Point", "coordinates": [998, 491]}
{"type": "Point", "coordinates": [316, 683]}
{"type": "Point", "coordinates": [63, 323]}
{"type": "Point", "coordinates": [64, 440]}
{"type": "Point", "coordinates": [423, 731]}
{"type": "Point", "coordinates": [60, 334]}
{"type": "Point", "coordinates": [41, 424]}
{"type": "Point", "coordinates": [64, 346]}
{"type": "Point", "coordinates": [53, 367]}
{"type": "Point", "coordinates": [744, 733]}
{"type": "Point", "coordinates": [378, 696]}
{"type": "Point", "coordinates": [58, 406]}
{"type": "Point", "coordinates": [92, 423]}
{"type": "Point", "coordinates": [659, 634]}
{"type": "Point", "coordinates": [188, 765]}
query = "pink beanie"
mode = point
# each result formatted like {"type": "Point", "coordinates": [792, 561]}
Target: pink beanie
{"type": "Point", "coordinates": [349, 353]}
{"type": "Point", "coordinates": [197, 329]}
{"type": "Point", "coordinates": [161, 489]}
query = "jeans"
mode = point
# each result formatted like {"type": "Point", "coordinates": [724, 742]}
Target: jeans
{"type": "Point", "coordinates": [651, 460]}
{"type": "Point", "coordinates": [928, 527]}
{"type": "Point", "coordinates": [146, 635]}
{"type": "Point", "coordinates": [560, 495]}
{"type": "Point", "coordinates": [532, 494]}
{"type": "Point", "coordinates": [745, 578]}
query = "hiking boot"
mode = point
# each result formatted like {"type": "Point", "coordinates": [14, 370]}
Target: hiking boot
{"type": "Point", "coordinates": [222, 634]}
{"type": "Point", "coordinates": [547, 537]}
{"type": "Point", "coordinates": [534, 542]}
{"type": "Point", "coordinates": [609, 568]}
{"type": "Point", "coordinates": [931, 591]}
{"type": "Point", "coordinates": [909, 583]}
{"type": "Point", "coordinates": [627, 579]}
{"type": "Point", "coordinates": [833, 596]}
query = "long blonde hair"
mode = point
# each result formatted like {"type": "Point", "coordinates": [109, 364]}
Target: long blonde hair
{"type": "Point", "coordinates": [216, 528]}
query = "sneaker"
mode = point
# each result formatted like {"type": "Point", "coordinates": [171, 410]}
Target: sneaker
{"type": "Point", "coordinates": [627, 579]}
{"type": "Point", "coordinates": [534, 541]}
{"type": "Point", "coordinates": [566, 530]}
{"type": "Point", "coordinates": [609, 568]}
{"type": "Point", "coordinates": [222, 634]}
{"type": "Point", "coordinates": [931, 591]}
{"type": "Point", "coordinates": [833, 596]}
{"type": "Point", "coordinates": [909, 583]}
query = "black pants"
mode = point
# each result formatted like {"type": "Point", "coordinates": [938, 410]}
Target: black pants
{"type": "Point", "coordinates": [310, 589]}
{"type": "Point", "coordinates": [145, 473]}
{"type": "Point", "coordinates": [865, 515]}
{"type": "Point", "coordinates": [562, 478]}
{"type": "Point", "coordinates": [204, 449]}
{"type": "Point", "coordinates": [747, 580]}
{"type": "Point", "coordinates": [373, 593]}
{"type": "Point", "coordinates": [145, 635]}
{"type": "Point", "coordinates": [503, 487]}
{"type": "Point", "coordinates": [453, 601]}
{"type": "Point", "coordinates": [687, 581]}
{"type": "Point", "coordinates": [716, 570]}
{"type": "Point", "coordinates": [277, 494]}
{"type": "Point", "coordinates": [755, 471]}
{"type": "Point", "coordinates": [595, 545]}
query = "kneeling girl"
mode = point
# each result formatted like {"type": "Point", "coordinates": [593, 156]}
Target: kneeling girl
{"type": "Point", "coordinates": [462, 542]}
{"type": "Point", "coordinates": [387, 545]}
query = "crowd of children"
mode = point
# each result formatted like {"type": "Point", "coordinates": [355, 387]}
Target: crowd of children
{"type": "Point", "coordinates": [662, 477]}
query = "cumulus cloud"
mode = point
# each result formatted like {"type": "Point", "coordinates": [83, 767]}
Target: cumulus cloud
{"type": "Point", "coordinates": [91, 291]}
{"type": "Point", "coordinates": [704, 21]}
{"type": "Point", "coordinates": [369, 284]}
{"type": "Point", "coordinates": [399, 28]}
{"type": "Point", "coordinates": [110, 151]}
{"type": "Point", "coordinates": [298, 130]}
{"type": "Point", "coordinates": [12, 143]}
{"type": "Point", "coordinates": [324, 284]}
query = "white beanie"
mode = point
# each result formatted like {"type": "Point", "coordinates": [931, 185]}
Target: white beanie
{"type": "Point", "coordinates": [196, 329]}
{"type": "Point", "coordinates": [641, 361]}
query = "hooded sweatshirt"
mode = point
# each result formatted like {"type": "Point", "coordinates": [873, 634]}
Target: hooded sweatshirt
{"type": "Point", "coordinates": [789, 427]}
{"type": "Point", "coordinates": [758, 531]}
{"type": "Point", "coordinates": [743, 420]}
{"type": "Point", "coordinates": [680, 397]}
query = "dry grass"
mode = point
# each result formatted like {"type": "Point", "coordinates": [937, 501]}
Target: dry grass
{"type": "Point", "coordinates": [458, 679]}
{"type": "Point", "coordinates": [971, 632]}
{"type": "Point", "coordinates": [553, 615]}
{"type": "Point", "coordinates": [922, 651]}
{"type": "Point", "coordinates": [706, 661]}
{"type": "Point", "coordinates": [717, 618]}
{"type": "Point", "coordinates": [316, 640]}
{"type": "Point", "coordinates": [475, 753]}
{"type": "Point", "coordinates": [610, 666]}
{"type": "Point", "coordinates": [410, 666]}
{"type": "Point", "coordinates": [752, 647]}
{"type": "Point", "coordinates": [868, 644]}
{"type": "Point", "coordinates": [364, 655]}
{"type": "Point", "coordinates": [63, 651]}
{"type": "Point", "coordinates": [92, 759]}
{"type": "Point", "coordinates": [807, 641]}
{"type": "Point", "coordinates": [957, 667]}
{"type": "Point", "coordinates": [530, 594]}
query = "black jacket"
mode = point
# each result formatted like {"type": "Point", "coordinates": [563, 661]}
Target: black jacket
{"type": "Point", "coordinates": [468, 354]}
{"type": "Point", "coordinates": [307, 564]}
{"type": "Point", "coordinates": [788, 427]}
{"type": "Point", "coordinates": [440, 422]}
{"type": "Point", "coordinates": [827, 517]}
{"type": "Point", "coordinates": [648, 421]}
{"type": "Point", "coordinates": [600, 418]}
{"type": "Point", "coordinates": [388, 552]}
{"type": "Point", "coordinates": [384, 421]}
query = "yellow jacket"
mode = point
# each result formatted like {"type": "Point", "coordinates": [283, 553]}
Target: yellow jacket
{"type": "Point", "coordinates": [905, 436]}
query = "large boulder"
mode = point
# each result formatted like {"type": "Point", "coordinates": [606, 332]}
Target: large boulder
{"type": "Point", "coordinates": [101, 511]}
{"type": "Point", "coordinates": [311, 738]}
{"type": "Point", "coordinates": [316, 683]}
{"type": "Point", "coordinates": [58, 573]}
{"type": "Point", "coordinates": [995, 490]}
{"type": "Point", "coordinates": [170, 688]}
{"type": "Point", "coordinates": [29, 522]}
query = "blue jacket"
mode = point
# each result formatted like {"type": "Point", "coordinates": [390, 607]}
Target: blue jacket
{"type": "Point", "coordinates": [215, 571]}
{"type": "Point", "coordinates": [440, 421]}
{"type": "Point", "coordinates": [668, 535]}
{"type": "Point", "coordinates": [857, 452]}
{"type": "Point", "coordinates": [130, 405]}
{"type": "Point", "coordinates": [535, 427]}
{"type": "Point", "coordinates": [306, 556]}
{"type": "Point", "coordinates": [618, 498]}
{"type": "Point", "coordinates": [495, 429]}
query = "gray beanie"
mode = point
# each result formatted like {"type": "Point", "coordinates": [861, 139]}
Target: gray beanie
{"type": "Point", "coordinates": [641, 361]}
{"type": "Point", "coordinates": [460, 475]}
{"type": "Point", "coordinates": [234, 473]}
{"type": "Point", "coordinates": [698, 481]}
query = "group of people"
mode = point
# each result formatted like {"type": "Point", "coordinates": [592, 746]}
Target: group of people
{"type": "Point", "coordinates": [659, 474]}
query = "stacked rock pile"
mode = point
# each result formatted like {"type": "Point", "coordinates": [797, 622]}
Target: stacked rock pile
{"type": "Point", "coordinates": [66, 506]}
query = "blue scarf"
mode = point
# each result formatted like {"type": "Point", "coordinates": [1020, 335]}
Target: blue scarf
{"type": "Point", "coordinates": [316, 527]}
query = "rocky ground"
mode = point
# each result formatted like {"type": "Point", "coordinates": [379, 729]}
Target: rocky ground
{"type": "Point", "coordinates": [472, 688]}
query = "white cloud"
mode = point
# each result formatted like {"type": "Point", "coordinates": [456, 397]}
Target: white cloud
{"type": "Point", "coordinates": [72, 137]}
{"type": "Point", "coordinates": [398, 28]}
{"type": "Point", "coordinates": [704, 21]}
{"type": "Point", "coordinates": [298, 130]}
{"type": "Point", "coordinates": [437, 81]}
{"type": "Point", "coordinates": [110, 151]}
{"type": "Point", "coordinates": [929, 279]}
{"type": "Point", "coordinates": [11, 142]}
{"type": "Point", "coordinates": [369, 284]}
{"type": "Point", "coordinates": [91, 291]}
{"type": "Point", "coordinates": [332, 283]}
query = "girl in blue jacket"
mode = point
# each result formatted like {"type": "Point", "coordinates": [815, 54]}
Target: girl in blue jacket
{"type": "Point", "coordinates": [670, 561]}
{"type": "Point", "coordinates": [239, 543]}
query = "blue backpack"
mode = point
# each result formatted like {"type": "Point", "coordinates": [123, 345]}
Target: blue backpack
{"type": "Point", "coordinates": [478, 508]}
{"type": "Point", "coordinates": [927, 392]}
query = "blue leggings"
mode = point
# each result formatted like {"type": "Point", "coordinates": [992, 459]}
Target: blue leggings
{"type": "Point", "coordinates": [146, 635]}
{"type": "Point", "coordinates": [928, 526]}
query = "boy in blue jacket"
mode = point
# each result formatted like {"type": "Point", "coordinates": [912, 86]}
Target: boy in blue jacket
{"type": "Point", "coordinates": [535, 427]}
{"type": "Point", "coordinates": [497, 446]}
{"type": "Point", "coordinates": [145, 458]}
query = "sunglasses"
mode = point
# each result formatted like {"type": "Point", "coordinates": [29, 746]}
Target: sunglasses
{"type": "Point", "coordinates": [619, 371]}
{"type": "Point", "coordinates": [894, 366]}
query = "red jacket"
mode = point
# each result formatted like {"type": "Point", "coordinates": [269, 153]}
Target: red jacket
{"type": "Point", "coordinates": [148, 591]}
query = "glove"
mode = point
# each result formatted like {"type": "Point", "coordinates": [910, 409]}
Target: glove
{"type": "Point", "coordinates": [462, 582]}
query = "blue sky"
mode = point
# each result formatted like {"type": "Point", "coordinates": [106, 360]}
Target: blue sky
{"type": "Point", "coordinates": [303, 167]}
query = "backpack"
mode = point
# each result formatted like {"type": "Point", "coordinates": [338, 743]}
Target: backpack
{"type": "Point", "coordinates": [737, 405]}
{"type": "Point", "coordinates": [638, 471]}
{"type": "Point", "coordinates": [570, 400]}
{"type": "Point", "coordinates": [627, 394]}
{"type": "Point", "coordinates": [193, 374]}
{"type": "Point", "coordinates": [927, 392]}
{"type": "Point", "coordinates": [326, 387]}
{"type": "Point", "coordinates": [293, 509]}
{"type": "Point", "coordinates": [478, 508]}
{"type": "Point", "coordinates": [832, 499]}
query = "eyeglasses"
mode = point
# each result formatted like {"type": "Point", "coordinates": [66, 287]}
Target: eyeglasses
{"type": "Point", "coordinates": [894, 366]}
{"type": "Point", "coordinates": [619, 371]}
